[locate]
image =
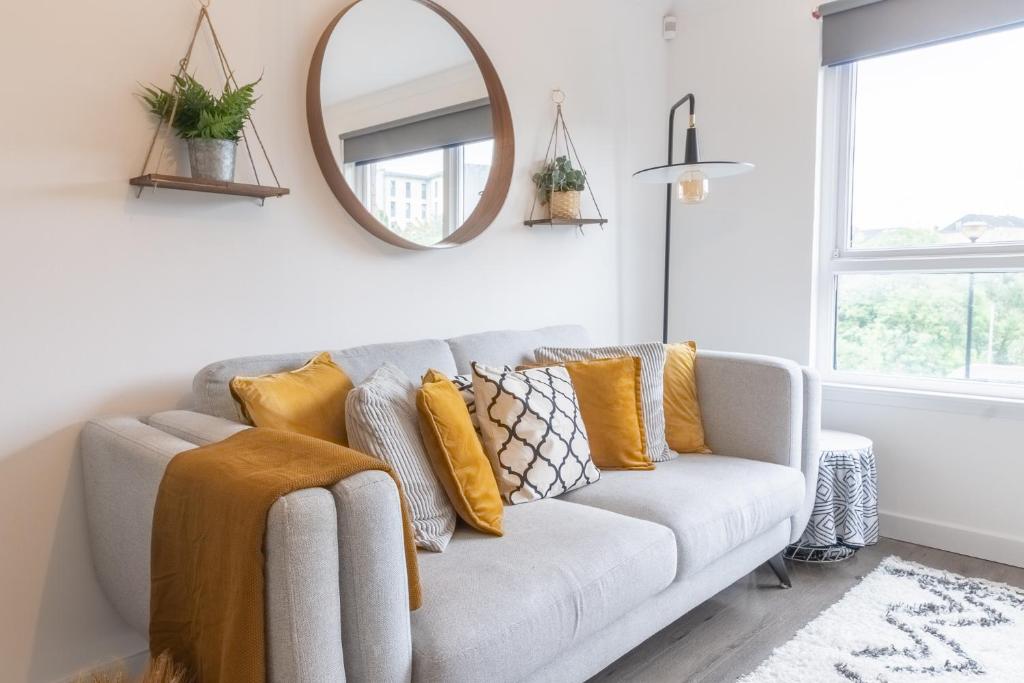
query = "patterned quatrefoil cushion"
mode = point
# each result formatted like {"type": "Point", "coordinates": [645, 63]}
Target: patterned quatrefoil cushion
{"type": "Point", "coordinates": [533, 432]}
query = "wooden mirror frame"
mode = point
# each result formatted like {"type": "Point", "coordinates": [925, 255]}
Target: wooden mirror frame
{"type": "Point", "coordinates": [498, 180]}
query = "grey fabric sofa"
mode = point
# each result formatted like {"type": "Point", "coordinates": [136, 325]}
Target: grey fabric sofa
{"type": "Point", "coordinates": [574, 583]}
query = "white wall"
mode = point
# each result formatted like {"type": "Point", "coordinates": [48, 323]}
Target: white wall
{"type": "Point", "coordinates": [110, 303]}
{"type": "Point", "coordinates": [742, 260]}
{"type": "Point", "coordinates": [744, 268]}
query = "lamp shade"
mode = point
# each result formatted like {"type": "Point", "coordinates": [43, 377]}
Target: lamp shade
{"type": "Point", "coordinates": [670, 173]}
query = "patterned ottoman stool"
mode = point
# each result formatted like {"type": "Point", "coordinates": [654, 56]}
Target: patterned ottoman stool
{"type": "Point", "coordinates": [845, 514]}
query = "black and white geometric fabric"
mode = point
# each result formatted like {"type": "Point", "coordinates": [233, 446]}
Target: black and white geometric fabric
{"type": "Point", "coordinates": [907, 623]}
{"type": "Point", "coordinates": [464, 383]}
{"type": "Point", "coordinates": [846, 502]}
{"type": "Point", "coordinates": [533, 432]}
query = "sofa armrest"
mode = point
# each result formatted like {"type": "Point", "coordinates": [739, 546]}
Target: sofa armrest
{"type": "Point", "coordinates": [369, 563]}
{"type": "Point", "coordinates": [810, 448]}
{"type": "Point", "coordinates": [375, 621]}
{"type": "Point", "coordinates": [123, 461]}
{"type": "Point", "coordinates": [197, 428]}
{"type": "Point", "coordinates": [763, 408]}
{"type": "Point", "coordinates": [751, 406]}
{"type": "Point", "coordinates": [318, 544]}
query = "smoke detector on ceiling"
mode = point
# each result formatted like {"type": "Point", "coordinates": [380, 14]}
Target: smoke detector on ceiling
{"type": "Point", "coordinates": [668, 27]}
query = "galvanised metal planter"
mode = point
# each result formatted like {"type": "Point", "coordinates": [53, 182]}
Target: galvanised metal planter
{"type": "Point", "coordinates": [212, 159]}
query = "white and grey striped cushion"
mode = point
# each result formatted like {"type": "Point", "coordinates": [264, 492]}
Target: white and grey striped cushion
{"type": "Point", "coordinates": [652, 384]}
{"type": "Point", "coordinates": [382, 421]}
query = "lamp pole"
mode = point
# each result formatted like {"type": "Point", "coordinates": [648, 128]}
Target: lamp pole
{"type": "Point", "coordinates": [691, 150]}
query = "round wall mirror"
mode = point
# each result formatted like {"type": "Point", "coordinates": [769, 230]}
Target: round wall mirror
{"type": "Point", "coordinates": [409, 123]}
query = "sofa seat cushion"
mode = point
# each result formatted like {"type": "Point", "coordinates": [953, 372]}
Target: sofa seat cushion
{"type": "Point", "coordinates": [495, 609]}
{"type": "Point", "coordinates": [712, 503]}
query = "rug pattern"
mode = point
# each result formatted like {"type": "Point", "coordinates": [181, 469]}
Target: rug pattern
{"type": "Point", "coordinates": [906, 623]}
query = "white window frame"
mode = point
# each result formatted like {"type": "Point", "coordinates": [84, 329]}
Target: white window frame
{"type": "Point", "coordinates": [837, 257]}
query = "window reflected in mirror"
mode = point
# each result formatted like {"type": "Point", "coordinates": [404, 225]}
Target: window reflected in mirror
{"type": "Point", "coordinates": [424, 196]}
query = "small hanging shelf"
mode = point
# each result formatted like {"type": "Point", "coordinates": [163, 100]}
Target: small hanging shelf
{"type": "Point", "coordinates": [578, 222]}
{"type": "Point", "coordinates": [177, 182]}
{"type": "Point", "coordinates": [561, 139]}
{"type": "Point", "coordinates": [156, 179]}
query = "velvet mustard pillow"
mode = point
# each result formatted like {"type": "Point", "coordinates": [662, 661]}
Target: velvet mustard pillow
{"type": "Point", "coordinates": [612, 408]}
{"type": "Point", "coordinates": [310, 400]}
{"type": "Point", "coordinates": [456, 454]}
{"type": "Point", "coordinates": [652, 384]}
{"type": "Point", "coordinates": [684, 430]}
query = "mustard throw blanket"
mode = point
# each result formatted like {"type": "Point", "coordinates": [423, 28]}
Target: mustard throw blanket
{"type": "Point", "coordinates": [206, 588]}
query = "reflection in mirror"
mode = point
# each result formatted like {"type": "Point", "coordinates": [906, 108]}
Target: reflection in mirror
{"type": "Point", "coordinates": [406, 110]}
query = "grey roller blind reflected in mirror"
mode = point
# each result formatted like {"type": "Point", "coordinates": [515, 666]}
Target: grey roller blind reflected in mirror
{"type": "Point", "coordinates": [456, 125]}
{"type": "Point", "coordinates": [858, 29]}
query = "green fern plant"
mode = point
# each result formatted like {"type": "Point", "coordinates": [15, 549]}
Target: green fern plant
{"type": "Point", "coordinates": [559, 175]}
{"type": "Point", "coordinates": [198, 113]}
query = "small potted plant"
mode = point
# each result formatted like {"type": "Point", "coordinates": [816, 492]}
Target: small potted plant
{"type": "Point", "coordinates": [210, 125]}
{"type": "Point", "coordinates": [559, 186]}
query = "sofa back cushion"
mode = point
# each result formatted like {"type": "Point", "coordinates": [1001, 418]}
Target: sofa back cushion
{"type": "Point", "coordinates": [212, 395]}
{"type": "Point", "coordinates": [511, 347]}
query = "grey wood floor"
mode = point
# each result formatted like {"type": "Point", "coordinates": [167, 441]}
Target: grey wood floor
{"type": "Point", "coordinates": [730, 634]}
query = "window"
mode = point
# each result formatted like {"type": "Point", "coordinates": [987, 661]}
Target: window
{"type": "Point", "coordinates": [450, 180]}
{"type": "Point", "coordinates": [475, 167]}
{"type": "Point", "coordinates": [922, 282]}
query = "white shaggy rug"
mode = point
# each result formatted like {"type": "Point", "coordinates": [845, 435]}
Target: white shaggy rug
{"type": "Point", "coordinates": [907, 623]}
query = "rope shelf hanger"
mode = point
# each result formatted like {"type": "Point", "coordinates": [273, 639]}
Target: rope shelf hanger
{"type": "Point", "coordinates": [561, 139]}
{"type": "Point", "coordinates": [155, 179]}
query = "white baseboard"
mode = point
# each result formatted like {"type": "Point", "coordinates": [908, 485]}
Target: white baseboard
{"type": "Point", "coordinates": [953, 537]}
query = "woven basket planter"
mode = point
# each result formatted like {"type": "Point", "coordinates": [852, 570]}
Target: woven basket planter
{"type": "Point", "coordinates": [565, 205]}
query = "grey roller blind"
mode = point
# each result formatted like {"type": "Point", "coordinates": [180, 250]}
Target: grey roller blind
{"type": "Point", "coordinates": [456, 125]}
{"type": "Point", "coordinates": [857, 29]}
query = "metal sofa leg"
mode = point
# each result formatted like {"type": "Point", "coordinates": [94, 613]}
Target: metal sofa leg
{"type": "Point", "coordinates": [778, 566]}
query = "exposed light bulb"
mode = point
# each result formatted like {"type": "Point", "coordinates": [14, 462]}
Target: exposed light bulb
{"type": "Point", "coordinates": [693, 187]}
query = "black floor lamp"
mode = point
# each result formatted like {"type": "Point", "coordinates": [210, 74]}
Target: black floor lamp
{"type": "Point", "coordinates": [691, 180]}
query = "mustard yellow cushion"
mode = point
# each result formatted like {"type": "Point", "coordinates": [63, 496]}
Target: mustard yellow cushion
{"type": "Point", "coordinates": [457, 455]}
{"type": "Point", "coordinates": [684, 430]}
{"type": "Point", "coordinates": [310, 400]}
{"type": "Point", "coordinates": [608, 390]}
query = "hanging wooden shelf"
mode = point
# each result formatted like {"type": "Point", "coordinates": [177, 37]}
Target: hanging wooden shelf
{"type": "Point", "coordinates": [177, 182]}
{"type": "Point", "coordinates": [561, 139]}
{"type": "Point", "coordinates": [577, 222]}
